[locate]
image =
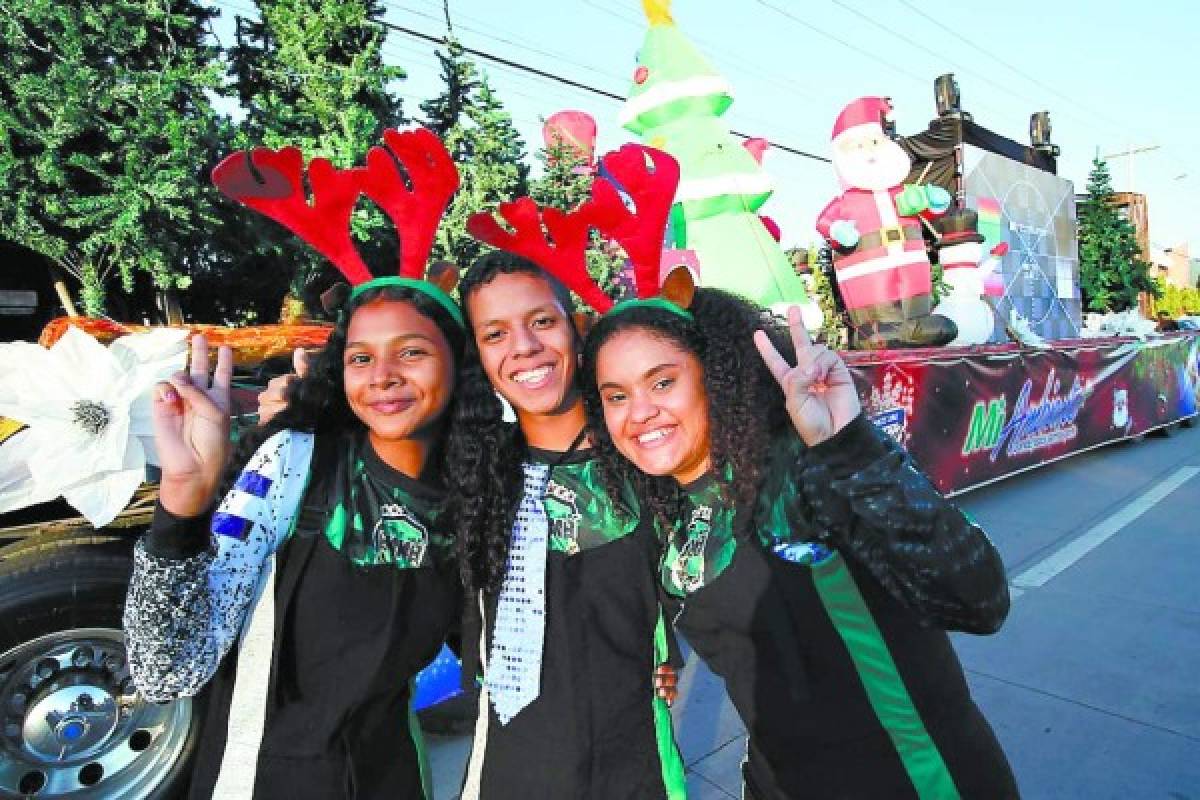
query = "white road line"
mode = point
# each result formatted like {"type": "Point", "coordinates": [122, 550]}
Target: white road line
{"type": "Point", "coordinates": [1068, 554]}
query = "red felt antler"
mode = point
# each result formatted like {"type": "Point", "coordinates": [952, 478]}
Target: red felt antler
{"type": "Point", "coordinates": [652, 188]}
{"type": "Point", "coordinates": [650, 178]}
{"type": "Point", "coordinates": [560, 248]}
{"type": "Point", "coordinates": [277, 191]}
{"type": "Point", "coordinates": [414, 211]}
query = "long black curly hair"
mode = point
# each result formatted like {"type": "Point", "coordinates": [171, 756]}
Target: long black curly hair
{"type": "Point", "coordinates": [483, 452]}
{"type": "Point", "coordinates": [745, 407]}
{"type": "Point", "coordinates": [317, 402]}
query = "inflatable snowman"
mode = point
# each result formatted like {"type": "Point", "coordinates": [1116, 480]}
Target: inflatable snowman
{"type": "Point", "coordinates": [960, 252]}
{"type": "Point", "coordinates": [874, 228]}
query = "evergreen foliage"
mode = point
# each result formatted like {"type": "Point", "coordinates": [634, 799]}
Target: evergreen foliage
{"type": "Point", "coordinates": [1111, 271]}
{"type": "Point", "coordinates": [310, 73]}
{"type": "Point", "coordinates": [565, 183]}
{"type": "Point", "coordinates": [106, 135]}
{"type": "Point", "coordinates": [484, 143]}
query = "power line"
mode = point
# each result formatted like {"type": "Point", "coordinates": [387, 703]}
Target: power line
{"type": "Point", "coordinates": [891, 31]}
{"type": "Point", "coordinates": [848, 45]}
{"type": "Point", "coordinates": [561, 79]}
{"type": "Point", "coordinates": [957, 35]}
{"type": "Point", "coordinates": [734, 63]}
{"type": "Point", "coordinates": [517, 74]}
{"type": "Point", "coordinates": [1098, 115]}
{"type": "Point", "coordinates": [502, 39]}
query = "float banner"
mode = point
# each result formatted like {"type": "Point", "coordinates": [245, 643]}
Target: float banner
{"type": "Point", "coordinates": [971, 418]}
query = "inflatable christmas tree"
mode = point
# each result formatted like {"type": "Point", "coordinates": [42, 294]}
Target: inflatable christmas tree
{"type": "Point", "coordinates": [675, 104]}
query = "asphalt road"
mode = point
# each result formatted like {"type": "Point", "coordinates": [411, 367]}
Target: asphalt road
{"type": "Point", "coordinates": [1093, 685]}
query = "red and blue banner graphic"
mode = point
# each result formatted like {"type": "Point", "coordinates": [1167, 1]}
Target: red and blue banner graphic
{"type": "Point", "coordinates": [971, 417]}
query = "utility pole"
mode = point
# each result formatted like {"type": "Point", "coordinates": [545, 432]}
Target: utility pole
{"type": "Point", "coordinates": [1129, 152]}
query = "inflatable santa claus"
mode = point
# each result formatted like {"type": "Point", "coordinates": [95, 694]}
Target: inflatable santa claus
{"type": "Point", "coordinates": [874, 228]}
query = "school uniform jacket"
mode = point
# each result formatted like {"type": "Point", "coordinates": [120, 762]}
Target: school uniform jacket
{"type": "Point", "coordinates": [596, 730]}
{"type": "Point", "coordinates": [824, 609]}
{"type": "Point", "coordinates": [307, 655]}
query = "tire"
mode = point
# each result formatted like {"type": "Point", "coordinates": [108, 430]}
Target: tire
{"type": "Point", "coordinates": [71, 723]}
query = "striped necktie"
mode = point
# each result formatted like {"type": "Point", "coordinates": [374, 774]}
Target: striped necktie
{"type": "Point", "coordinates": [515, 667]}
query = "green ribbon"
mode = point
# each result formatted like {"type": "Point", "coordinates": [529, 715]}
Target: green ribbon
{"type": "Point", "coordinates": [426, 288]}
{"type": "Point", "coordinates": [885, 688]}
{"type": "Point", "coordinates": [674, 779]}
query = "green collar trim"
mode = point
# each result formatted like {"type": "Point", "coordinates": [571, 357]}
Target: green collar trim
{"type": "Point", "coordinates": [424, 287]}
{"type": "Point", "coordinates": [661, 303]}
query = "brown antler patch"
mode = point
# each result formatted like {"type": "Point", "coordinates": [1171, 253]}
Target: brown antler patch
{"type": "Point", "coordinates": [679, 287]}
{"type": "Point", "coordinates": [444, 275]}
{"type": "Point", "coordinates": [333, 298]}
{"type": "Point", "coordinates": [584, 320]}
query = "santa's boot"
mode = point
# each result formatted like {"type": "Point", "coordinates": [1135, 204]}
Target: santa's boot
{"type": "Point", "coordinates": [875, 327]}
{"type": "Point", "coordinates": [921, 328]}
{"type": "Point", "coordinates": [902, 324]}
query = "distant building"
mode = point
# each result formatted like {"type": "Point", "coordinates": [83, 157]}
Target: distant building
{"type": "Point", "coordinates": [1174, 266]}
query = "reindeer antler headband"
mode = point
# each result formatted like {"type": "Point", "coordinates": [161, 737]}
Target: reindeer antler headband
{"type": "Point", "coordinates": [272, 183]}
{"type": "Point", "coordinates": [557, 241]}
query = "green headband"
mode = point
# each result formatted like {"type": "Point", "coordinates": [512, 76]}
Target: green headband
{"type": "Point", "coordinates": [430, 290]}
{"type": "Point", "coordinates": [652, 302]}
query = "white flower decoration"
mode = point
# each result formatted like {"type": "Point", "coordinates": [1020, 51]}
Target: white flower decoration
{"type": "Point", "coordinates": [88, 408]}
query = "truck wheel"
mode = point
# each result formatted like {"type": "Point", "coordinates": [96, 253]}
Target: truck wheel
{"type": "Point", "coordinates": [71, 722]}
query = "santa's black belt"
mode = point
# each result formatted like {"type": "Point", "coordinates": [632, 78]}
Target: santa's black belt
{"type": "Point", "coordinates": [886, 236]}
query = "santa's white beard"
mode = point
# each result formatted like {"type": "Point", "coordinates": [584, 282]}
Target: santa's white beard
{"type": "Point", "coordinates": [874, 169]}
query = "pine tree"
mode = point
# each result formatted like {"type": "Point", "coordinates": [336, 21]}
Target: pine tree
{"type": "Point", "coordinates": [565, 183]}
{"type": "Point", "coordinates": [483, 142]}
{"type": "Point", "coordinates": [106, 133]}
{"type": "Point", "coordinates": [310, 73]}
{"type": "Point", "coordinates": [1111, 271]}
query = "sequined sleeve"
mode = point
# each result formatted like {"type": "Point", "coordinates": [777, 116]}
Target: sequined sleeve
{"type": "Point", "coordinates": [862, 491]}
{"type": "Point", "coordinates": [184, 610]}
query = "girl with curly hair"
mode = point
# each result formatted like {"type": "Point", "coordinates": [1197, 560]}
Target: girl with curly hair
{"type": "Point", "coordinates": [807, 560]}
{"type": "Point", "coordinates": [561, 592]}
{"type": "Point", "coordinates": [326, 561]}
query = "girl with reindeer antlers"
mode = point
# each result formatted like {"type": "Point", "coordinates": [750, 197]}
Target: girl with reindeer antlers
{"type": "Point", "coordinates": [801, 553]}
{"type": "Point", "coordinates": [327, 563]}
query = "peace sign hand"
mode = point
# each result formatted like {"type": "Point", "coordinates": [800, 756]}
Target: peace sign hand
{"type": "Point", "coordinates": [820, 394]}
{"type": "Point", "coordinates": [191, 431]}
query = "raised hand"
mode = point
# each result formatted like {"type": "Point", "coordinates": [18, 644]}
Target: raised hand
{"type": "Point", "coordinates": [939, 199]}
{"type": "Point", "coordinates": [911, 200]}
{"type": "Point", "coordinates": [191, 431]}
{"type": "Point", "coordinates": [273, 399]}
{"type": "Point", "coordinates": [820, 394]}
{"type": "Point", "coordinates": [845, 233]}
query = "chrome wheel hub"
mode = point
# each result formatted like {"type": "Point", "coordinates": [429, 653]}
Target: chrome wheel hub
{"type": "Point", "coordinates": [73, 725]}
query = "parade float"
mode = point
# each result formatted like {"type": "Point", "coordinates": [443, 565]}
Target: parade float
{"type": "Point", "coordinates": [1014, 382]}
{"type": "Point", "coordinates": [1023, 382]}
{"type": "Point", "coordinates": [995, 375]}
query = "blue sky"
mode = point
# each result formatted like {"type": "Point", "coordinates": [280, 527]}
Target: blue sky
{"type": "Point", "coordinates": [1114, 75]}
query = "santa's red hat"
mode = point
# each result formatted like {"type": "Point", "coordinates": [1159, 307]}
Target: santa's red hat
{"type": "Point", "coordinates": [863, 111]}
